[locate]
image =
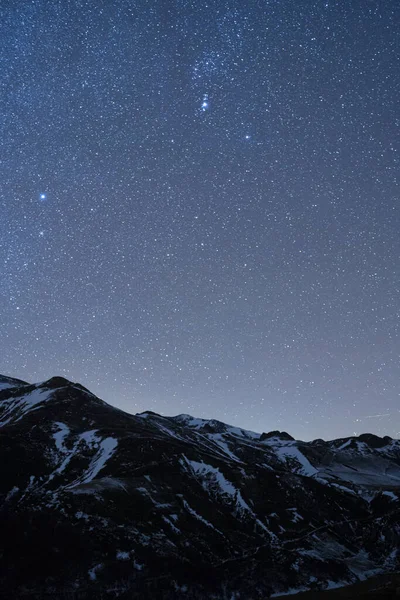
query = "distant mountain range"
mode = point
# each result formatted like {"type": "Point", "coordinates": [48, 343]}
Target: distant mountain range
{"type": "Point", "coordinates": [95, 502]}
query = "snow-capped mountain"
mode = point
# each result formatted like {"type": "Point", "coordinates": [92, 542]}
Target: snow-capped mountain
{"type": "Point", "coordinates": [94, 499]}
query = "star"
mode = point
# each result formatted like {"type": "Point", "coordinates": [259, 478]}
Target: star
{"type": "Point", "coordinates": [205, 104]}
{"type": "Point", "coordinates": [237, 130]}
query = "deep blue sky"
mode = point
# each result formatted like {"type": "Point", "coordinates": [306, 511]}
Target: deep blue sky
{"type": "Point", "coordinates": [199, 207]}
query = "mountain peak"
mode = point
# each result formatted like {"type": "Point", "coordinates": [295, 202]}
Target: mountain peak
{"type": "Point", "coordinates": [55, 382]}
{"type": "Point", "coordinates": [280, 435]}
{"type": "Point", "coordinates": [10, 382]}
{"type": "Point", "coordinates": [374, 441]}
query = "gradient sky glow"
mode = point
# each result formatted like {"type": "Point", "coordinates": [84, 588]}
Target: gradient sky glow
{"type": "Point", "coordinates": [199, 207]}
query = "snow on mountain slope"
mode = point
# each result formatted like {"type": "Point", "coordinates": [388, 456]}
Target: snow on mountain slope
{"type": "Point", "coordinates": [214, 426]}
{"type": "Point", "coordinates": [291, 454]}
{"type": "Point", "coordinates": [9, 382]}
{"type": "Point", "coordinates": [5, 386]}
{"type": "Point", "coordinates": [20, 406]}
{"type": "Point", "coordinates": [197, 504]}
{"type": "Point", "coordinates": [359, 463]}
{"type": "Point", "coordinates": [351, 461]}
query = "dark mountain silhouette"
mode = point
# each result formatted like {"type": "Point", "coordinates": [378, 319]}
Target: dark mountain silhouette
{"type": "Point", "coordinates": [102, 503]}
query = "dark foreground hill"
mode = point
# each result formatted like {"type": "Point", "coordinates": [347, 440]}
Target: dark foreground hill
{"type": "Point", "coordinates": [97, 503]}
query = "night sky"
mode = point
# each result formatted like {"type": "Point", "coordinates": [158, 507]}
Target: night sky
{"type": "Point", "coordinates": [199, 207]}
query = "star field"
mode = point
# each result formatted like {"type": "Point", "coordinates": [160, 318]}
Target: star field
{"type": "Point", "coordinates": [199, 207]}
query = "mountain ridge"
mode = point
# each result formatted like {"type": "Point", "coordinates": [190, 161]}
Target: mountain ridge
{"type": "Point", "coordinates": [185, 500]}
{"type": "Point", "coordinates": [58, 381]}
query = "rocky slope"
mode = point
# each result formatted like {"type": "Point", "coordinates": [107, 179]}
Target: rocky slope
{"type": "Point", "coordinates": [102, 503]}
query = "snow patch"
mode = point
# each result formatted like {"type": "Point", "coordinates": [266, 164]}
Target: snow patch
{"type": "Point", "coordinates": [218, 438]}
{"type": "Point", "coordinates": [391, 495]}
{"type": "Point", "coordinates": [22, 405]}
{"type": "Point", "coordinates": [6, 386]}
{"type": "Point", "coordinates": [11, 493]}
{"type": "Point", "coordinates": [195, 423]}
{"type": "Point", "coordinates": [296, 516]}
{"type": "Point", "coordinates": [60, 435]}
{"type": "Point", "coordinates": [290, 451]}
{"type": "Point", "coordinates": [289, 592]}
{"type": "Point", "coordinates": [198, 517]}
{"type": "Point", "coordinates": [171, 524]}
{"type": "Point", "coordinates": [36, 397]}
{"type": "Point", "coordinates": [92, 572]}
{"type": "Point", "coordinates": [204, 469]}
{"type": "Point", "coordinates": [343, 488]}
{"type": "Point", "coordinates": [345, 445]}
{"type": "Point", "coordinates": [106, 450]}
{"type": "Point", "coordinates": [82, 515]}
{"type": "Point", "coordinates": [213, 474]}
{"type": "Point", "coordinates": [90, 437]}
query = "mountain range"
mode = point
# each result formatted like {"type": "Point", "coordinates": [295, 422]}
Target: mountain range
{"type": "Point", "coordinates": [99, 503]}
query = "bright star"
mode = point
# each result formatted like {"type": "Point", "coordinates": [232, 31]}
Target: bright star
{"type": "Point", "coordinates": [205, 105]}
{"type": "Point", "coordinates": [43, 196]}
